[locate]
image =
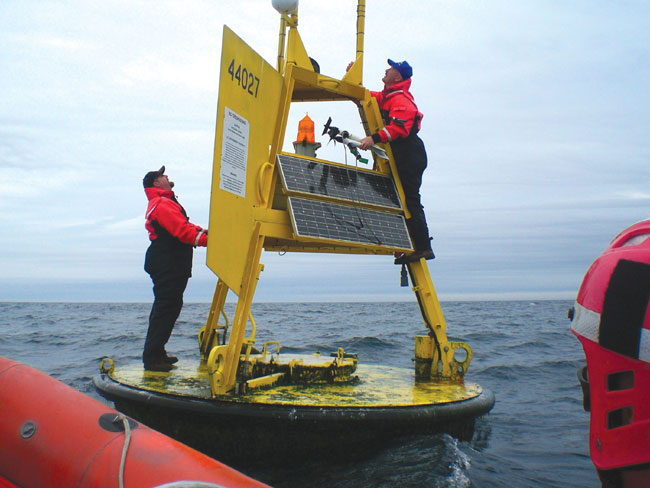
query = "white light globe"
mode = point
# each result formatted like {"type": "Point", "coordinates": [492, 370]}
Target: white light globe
{"type": "Point", "coordinates": [285, 6]}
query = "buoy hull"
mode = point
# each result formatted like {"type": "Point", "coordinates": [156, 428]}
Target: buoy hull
{"type": "Point", "coordinates": [299, 421]}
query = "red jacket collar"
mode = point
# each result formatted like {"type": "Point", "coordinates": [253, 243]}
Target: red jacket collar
{"type": "Point", "coordinates": [403, 85]}
{"type": "Point", "coordinates": [153, 192]}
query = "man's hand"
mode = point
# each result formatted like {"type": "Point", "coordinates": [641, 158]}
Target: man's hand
{"type": "Point", "coordinates": [366, 143]}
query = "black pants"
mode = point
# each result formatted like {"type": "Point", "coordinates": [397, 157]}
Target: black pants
{"type": "Point", "coordinates": [411, 161]}
{"type": "Point", "coordinates": [168, 301]}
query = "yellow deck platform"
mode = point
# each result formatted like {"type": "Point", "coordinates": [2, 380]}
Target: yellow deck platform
{"type": "Point", "coordinates": [373, 386]}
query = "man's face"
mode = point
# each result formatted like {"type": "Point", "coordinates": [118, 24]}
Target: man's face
{"type": "Point", "coordinates": [163, 183]}
{"type": "Point", "coordinates": [391, 77]}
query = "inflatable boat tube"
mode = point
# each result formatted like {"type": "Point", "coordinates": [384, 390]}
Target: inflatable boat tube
{"type": "Point", "coordinates": [52, 435]}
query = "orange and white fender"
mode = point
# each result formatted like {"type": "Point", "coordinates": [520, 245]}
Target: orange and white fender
{"type": "Point", "coordinates": [51, 435]}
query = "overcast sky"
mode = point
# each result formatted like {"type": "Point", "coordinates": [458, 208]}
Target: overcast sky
{"type": "Point", "coordinates": [536, 123]}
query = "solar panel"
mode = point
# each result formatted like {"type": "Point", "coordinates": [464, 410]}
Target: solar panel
{"type": "Point", "coordinates": [331, 221]}
{"type": "Point", "coordinates": [306, 176]}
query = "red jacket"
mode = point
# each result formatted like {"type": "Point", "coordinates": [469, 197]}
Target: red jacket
{"type": "Point", "coordinates": [164, 209]}
{"type": "Point", "coordinates": [398, 110]}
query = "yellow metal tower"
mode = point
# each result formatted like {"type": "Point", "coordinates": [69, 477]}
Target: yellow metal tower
{"type": "Point", "coordinates": [257, 205]}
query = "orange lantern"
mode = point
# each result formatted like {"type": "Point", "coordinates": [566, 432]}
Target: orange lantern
{"type": "Point", "coordinates": [306, 130]}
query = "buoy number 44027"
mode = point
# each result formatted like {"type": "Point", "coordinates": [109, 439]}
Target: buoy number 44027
{"type": "Point", "coordinates": [244, 78]}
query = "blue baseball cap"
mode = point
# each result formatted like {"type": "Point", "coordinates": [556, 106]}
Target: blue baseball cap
{"type": "Point", "coordinates": [403, 67]}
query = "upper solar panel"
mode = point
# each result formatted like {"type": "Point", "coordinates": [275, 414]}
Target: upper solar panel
{"type": "Point", "coordinates": [306, 176]}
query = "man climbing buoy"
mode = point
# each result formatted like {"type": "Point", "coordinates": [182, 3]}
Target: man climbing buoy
{"type": "Point", "coordinates": [401, 124]}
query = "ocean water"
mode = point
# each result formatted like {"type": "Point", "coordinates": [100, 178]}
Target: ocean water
{"type": "Point", "coordinates": [535, 436]}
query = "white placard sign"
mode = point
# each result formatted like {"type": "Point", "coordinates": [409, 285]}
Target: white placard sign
{"type": "Point", "coordinates": [234, 153]}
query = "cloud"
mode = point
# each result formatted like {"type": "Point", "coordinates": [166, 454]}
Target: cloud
{"type": "Point", "coordinates": [61, 44]}
{"type": "Point", "coordinates": [199, 73]}
{"type": "Point", "coordinates": [129, 226]}
{"type": "Point", "coordinates": [635, 196]}
{"type": "Point", "coordinates": [16, 150]}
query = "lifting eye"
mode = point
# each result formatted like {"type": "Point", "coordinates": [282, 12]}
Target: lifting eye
{"type": "Point", "coordinates": [460, 355]}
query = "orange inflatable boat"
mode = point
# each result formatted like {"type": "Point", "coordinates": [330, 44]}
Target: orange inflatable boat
{"type": "Point", "coordinates": [51, 435]}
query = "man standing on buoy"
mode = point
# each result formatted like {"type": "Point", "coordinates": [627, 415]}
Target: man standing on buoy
{"type": "Point", "coordinates": [169, 263]}
{"type": "Point", "coordinates": [401, 125]}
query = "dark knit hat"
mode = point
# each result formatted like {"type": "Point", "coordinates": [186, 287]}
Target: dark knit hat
{"type": "Point", "coordinates": [151, 176]}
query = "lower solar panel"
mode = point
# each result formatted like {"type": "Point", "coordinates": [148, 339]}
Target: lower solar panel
{"type": "Point", "coordinates": [330, 221]}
